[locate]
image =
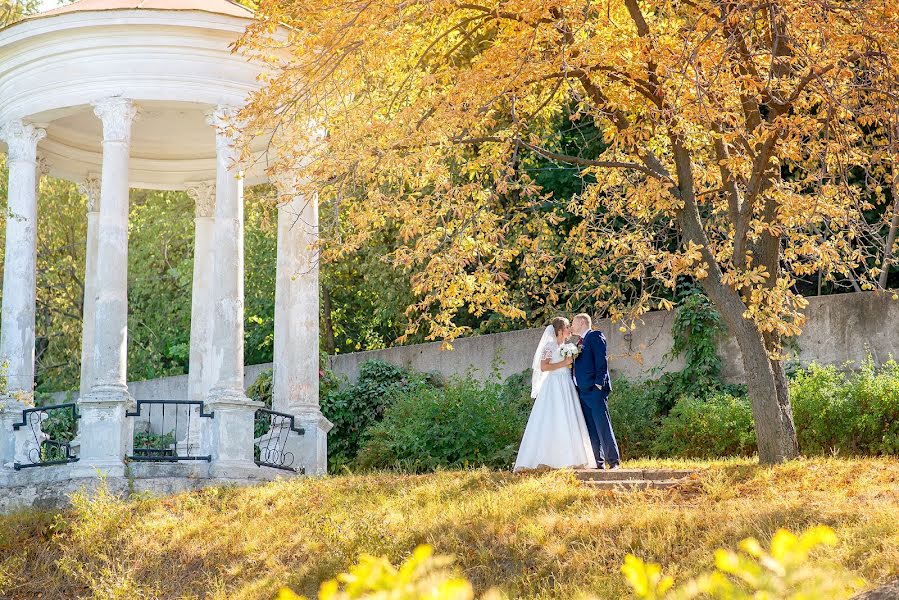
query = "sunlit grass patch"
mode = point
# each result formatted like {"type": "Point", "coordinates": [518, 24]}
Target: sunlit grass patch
{"type": "Point", "coordinates": [542, 535]}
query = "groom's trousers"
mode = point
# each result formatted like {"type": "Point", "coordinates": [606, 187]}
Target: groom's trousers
{"type": "Point", "coordinates": [596, 413]}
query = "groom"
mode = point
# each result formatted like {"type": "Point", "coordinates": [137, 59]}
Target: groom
{"type": "Point", "coordinates": [591, 377]}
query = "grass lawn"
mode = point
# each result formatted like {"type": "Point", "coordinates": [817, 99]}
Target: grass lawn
{"type": "Point", "coordinates": [543, 536]}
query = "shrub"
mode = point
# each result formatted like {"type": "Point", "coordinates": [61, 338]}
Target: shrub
{"type": "Point", "coordinates": [696, 326]}
{"type": "Point", "coordinates": [876, 392]}
{"type": "Point", "coordinates": [354, 409]}
{"type": "Point", "coordinates": [824, 412]}
{"type": "Point", "coordinates": [146, 440]}
{"type": "Point", "coordinates": [60, 425]}
{"type": "Point", "coordinates": [464, 424]}
{"type": "Point", "coordinates": [517, 386]}
{"type": "Point", "coordinates": [636, 416]}
{"type": "Point", "coordinates": [261, 390]}
{"type": "Point", "coordinates": [721, 425]}
{"type": "Point", "coordinates": [856, 413]}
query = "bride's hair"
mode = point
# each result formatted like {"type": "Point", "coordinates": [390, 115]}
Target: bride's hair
{"type": "Point", "coordinates": [559, 324]}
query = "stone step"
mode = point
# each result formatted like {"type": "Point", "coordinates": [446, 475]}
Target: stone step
{"type": "Point", "coordinates": [632, 474]}
{"type": "Point", "coordinates": [633, 484]}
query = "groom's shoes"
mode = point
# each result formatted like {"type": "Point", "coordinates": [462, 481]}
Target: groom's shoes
{"type": "Point", "coordinates": [613, 468]}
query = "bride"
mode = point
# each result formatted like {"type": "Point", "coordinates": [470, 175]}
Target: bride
{"type": "Point", "coordinates": [556, 434]}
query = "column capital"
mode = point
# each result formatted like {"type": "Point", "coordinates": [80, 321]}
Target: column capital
{"type": "Point", "coordinates": [203, 195]}
{"type": "Point", "coordinates": [21, 138]}
{"type": "Point", "coordinates": [90, 188]}
{"type": "Point", "coordinates": [117, 115]}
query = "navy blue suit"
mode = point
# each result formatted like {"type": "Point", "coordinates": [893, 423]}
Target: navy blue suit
{"type": "Point", "coordinates": [591, 375]}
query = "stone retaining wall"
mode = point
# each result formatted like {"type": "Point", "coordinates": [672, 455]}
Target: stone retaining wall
{"type": "Point", "coordinates": [840, 329]}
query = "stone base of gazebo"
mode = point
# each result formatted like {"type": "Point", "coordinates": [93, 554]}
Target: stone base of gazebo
{"type": "Point", "coordinates": [47, 453]}
{"type": "Point", "coordinates": [53, 487]}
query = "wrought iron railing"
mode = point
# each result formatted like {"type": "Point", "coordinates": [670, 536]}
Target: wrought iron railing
{"type": "Point", "coordinates": [168, 430]}
{"type": "Point", "coordinates": [273, 431]}
{"type": "Point", "coordinates": [50, 431]}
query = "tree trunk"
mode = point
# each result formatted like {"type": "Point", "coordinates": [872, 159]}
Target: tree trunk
{"type": "Point", "coordinates": [894, 226]}
{"type": "Point", "coordinates": [326, 317]}
{"type": "Point", "coordinates": [766, 379]}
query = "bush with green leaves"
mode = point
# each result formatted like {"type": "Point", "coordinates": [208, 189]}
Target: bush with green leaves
{"type": "Point", "coordinates": [355, 408]}
{"type": "Point", "coordinates": [876, 390]}
{"type": "Point", "coordinates": [464, 424]}
{"type": "Point", "coordinates": [60, 425]}
{"type": "Point", "coordinates": [824, 411]}
{"type": "Point", "coordinates": [261, 389]}
{"type": "Point", "coordinates": [636, 413]}
{"type": "Point", "coordinates": [147, 440]}
{"type": "Point", "coordinates": [847, 413]}
{"type": "Point", "coordinates": [694, 333]}
{"type": "Point", "coordinates": [720, 425]}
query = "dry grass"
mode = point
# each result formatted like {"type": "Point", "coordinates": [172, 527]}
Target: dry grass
{"type": "Point", "coordinates": [542, 536]}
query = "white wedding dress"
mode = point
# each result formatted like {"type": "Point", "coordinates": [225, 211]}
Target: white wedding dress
{"type": "Point", "coordinates": [556, 434]}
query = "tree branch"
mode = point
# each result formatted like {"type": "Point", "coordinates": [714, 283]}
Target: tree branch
{"type": "Point", "coordinates": [576, 160]}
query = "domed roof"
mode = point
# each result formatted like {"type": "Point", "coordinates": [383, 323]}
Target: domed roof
{"type": "Point", "coordinates": [220, 7]}
{"type": "Point", "coordinates": [173, 58]}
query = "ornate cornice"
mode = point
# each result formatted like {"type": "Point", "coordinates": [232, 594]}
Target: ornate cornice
{"type": "Point", "coordinates": [90, 188]}
{"type": "Point", "coordinates": [21, 138]}
{"type": "Point", "coordinates": [203, 195]}
{"type": "Point", "coordinates": [117, 115]}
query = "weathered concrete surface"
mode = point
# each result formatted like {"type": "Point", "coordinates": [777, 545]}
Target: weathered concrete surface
{"type": "Point", "coordinates": [227, 347]}
{"type": "Point", "coordinates": [111, 304]}
{"type": "Point", "coordinates": [90, 188]}
{"type": "Point", "coordinates": [201, 314]}
{"type": "Point", "coordinates": [840, 329]}
{"type": "Point", "coordinates": [18, 310]}
{"type": "Point", "coordinates": [53, 487]}
{"type": "Point", "coordinates": [295, 388]}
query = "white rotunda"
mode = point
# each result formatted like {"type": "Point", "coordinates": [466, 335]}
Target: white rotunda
{"type": "Point", "coordinates": [120, 94]}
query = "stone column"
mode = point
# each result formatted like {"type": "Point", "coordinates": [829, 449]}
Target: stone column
{"type": "Point", "coordinates": [199, 375]}
{"type": "Point", "coordinates": [103, 429]}
{"type": "Point", "coordinates": [90, 188]}
{"type": "Point", "coordinates": [232, 429]}
{"type": "Point", "coordinates": [296, 366]}
{"type": "Point", "coordinates": [201, 316]}
{"type": "Point", "coordinates": [19, 279]}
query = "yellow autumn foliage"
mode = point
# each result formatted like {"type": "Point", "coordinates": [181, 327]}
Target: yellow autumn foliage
{"type": "Point", "coordinates": [758, 133]}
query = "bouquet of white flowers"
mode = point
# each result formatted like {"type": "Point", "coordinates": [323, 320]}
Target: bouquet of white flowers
{"type": "Point", "coordinates": [569, 350]}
